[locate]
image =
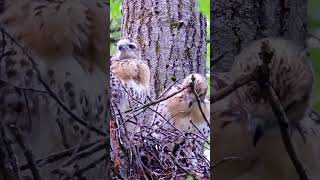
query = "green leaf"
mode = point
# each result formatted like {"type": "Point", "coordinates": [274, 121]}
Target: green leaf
{"type": "Point", "coordinates": [115, 8]}
{"type": "Point", "coordinates": [190, 178]}
{"type": "Point", "coordinates": [204, 7]}
{"type": "Point", "coordinates": [315, 57]}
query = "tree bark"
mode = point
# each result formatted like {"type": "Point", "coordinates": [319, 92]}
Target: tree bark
{"type": "Point", "coordinates": [236, 23]}
{"type": "Point", "coordinates": [171, 35]}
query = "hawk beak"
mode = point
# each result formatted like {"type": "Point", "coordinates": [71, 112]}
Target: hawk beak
{"type": "Point", "coordinates": [121, 48]}
{"type": "Point", "coordinates": [188, 100]}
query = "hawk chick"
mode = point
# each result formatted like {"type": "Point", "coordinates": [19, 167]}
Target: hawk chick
{"type": "Point", "coordinates": [129, 87]}
{"type": "Point", "coordinates": [291, 77]}
{"type": "Point", "coordinates": [268, 159]}
{"type": "Point", "coordinates": [182, 113]}
{"type": "Point", "coordinates": [129, 81]}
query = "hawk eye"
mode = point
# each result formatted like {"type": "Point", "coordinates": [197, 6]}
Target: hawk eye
{"type": "Point", "coordinates": [132, 46]}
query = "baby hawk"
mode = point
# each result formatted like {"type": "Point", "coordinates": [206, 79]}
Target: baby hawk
{"type": "Point", "coordinates": [182, 113]}
{"type": "Point", "coordinates": [129, 88]}
{"type": "Point", "coordinates": [129, 82]}
{"type": "Point", "coordinates": [235, 118]}
{"type": "Point", "coordinates": [291, 78]}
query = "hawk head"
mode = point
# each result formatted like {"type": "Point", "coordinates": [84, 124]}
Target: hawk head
{"type": "Point", "coordinates": [197, 83]}
{"type": "Point", "coordinates": [127, 49]}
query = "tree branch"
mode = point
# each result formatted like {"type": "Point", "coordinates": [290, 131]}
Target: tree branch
{"type": "Point", "coordinates": [27, 152]}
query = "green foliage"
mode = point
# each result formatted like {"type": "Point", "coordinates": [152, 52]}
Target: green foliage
{"type": "Point", "coordinates": [315, 56]}
{"type": "Point", "coordinates": [115, 10]}
{"type": "Point", "coordinates": [115, 19]}
{"type": "Point", "coordinates": [204, 7]}
{"type": "Point", "coordinates": [314, 25]}
{"type": "Point", "coordinates": [190, 178]}
{"type": "Point", "coordinates": [208, 67]}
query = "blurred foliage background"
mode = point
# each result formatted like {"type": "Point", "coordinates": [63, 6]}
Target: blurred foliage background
{"type": "Point", "coordinates": [314, 31]}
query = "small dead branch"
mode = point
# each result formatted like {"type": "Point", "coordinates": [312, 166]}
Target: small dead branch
{"type": "Point", "coordinates": [12, 166]}
{"type": "Point", "coordinates": [264, 74]}
{"type": "Point", "coordinates": [61, 155]}
{"type": "Point", "coordinates": [151, 103]}
{"type": "Point", "coordinates": [87, 152]}
{"type": "Point", "coordinates": [27, 152]}
{"type": "Point", "coordinates": [91, 165]}
{"type": "Point", "coordinates": [199, 102]}
{"type": "Point", "coordinates": [233, 86]}
{"type": "Point", "coordinates": [232, 158]}
{"type": "Point", "coordinates": [63, 133]}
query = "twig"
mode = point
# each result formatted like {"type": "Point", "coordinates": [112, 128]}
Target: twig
{"type": "Point", "coordinates": [9, 150]}
{"type": "Point", "coordinates": [282, 120]}
{"type": "Point", "coordinates": [168, 88]}
{"type": "Point", "coordinates": [156, 101]}
{"type": "Point", "coordinates": [232, 87]}
{"type": "Point", "coordinates": [60, 155]}
{"type": "Point", "coordinates": [199, 103]}
{"type": "Point", "coordinates": [198, 130]}
{"type": "Point", "coordinates": [264, 73]}
{"type": "Point", "coordinates": [85, 153]}
{"type": "Point", "coordinates": [63, 133]}
{"type": "Point", "coordinates": [27, 152]}
{"type": "Point", "coordinates": [224, 160]}
{"type": "Point", "coordinates": [21, 88]}
{"type": "Point", "coordinates": [87, 167]}
{"type": "Point", "coordinates": [27, 104]}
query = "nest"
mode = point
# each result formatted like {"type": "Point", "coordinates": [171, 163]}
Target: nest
{"type": "Point", "coordinates": [143, 155]}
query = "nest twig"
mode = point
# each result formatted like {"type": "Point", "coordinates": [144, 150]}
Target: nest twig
{"type": "Point", "coordinates": [143, 155]}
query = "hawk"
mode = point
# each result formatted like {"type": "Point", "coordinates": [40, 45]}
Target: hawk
{"type": "Point", "coordinates": [236, 117]}
{"type": "Point", "coordinates": [187, 112]}
{"type": "Point", "coordinates": [129, 83]}
{"type": "Point", "coordinates": [291, 78]}
{"type": "Point", "coordinates": [129, 88]}
{"type": "Point", "coordinates": [53, 81]}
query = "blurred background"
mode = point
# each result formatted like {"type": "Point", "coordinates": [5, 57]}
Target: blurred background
{"type": "Point", "coordinates": [314, 44]}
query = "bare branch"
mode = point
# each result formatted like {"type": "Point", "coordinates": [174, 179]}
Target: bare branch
{"type": "Point", "coordinates": [27, 152]}
{"type": "Point", "coordinates": [264, 74]}
{"type": "Point", "coordinates": [51, 158]}
{"type": "Point", "coordinates": [232, 87]}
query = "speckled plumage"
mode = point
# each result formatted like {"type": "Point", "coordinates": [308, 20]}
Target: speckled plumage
{"type": "Point", "coordinates": [234, 126]}
{"type": "Point", "coordinates": [291, 78]}
{"type": "Point", "coordinates": [66, 41]}
{"type": "Point", "coordinates": [177, 112]}
{"type": "Point", "coordinates": [129, 83]}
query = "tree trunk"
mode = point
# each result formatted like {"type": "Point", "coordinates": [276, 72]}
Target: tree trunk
{"type": "Point", "coordinates": [235, 23]}
{"type": "Point", "coordinates": [171, 35]}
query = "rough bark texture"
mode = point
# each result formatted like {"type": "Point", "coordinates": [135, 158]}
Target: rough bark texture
{"type": "Point", "coordinates": [235, 23]}
{"type": "Point", "coordinates": [171, 35]}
